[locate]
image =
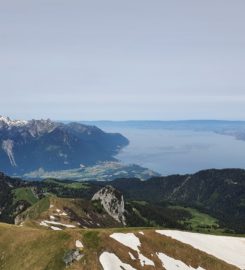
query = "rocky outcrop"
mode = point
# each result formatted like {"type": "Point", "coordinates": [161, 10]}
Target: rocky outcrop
{"type": "Point", "coordinates": [19, 208]}
{"type": "Point", "coordinates": [71, 256]}
{"type": "Point", "coordinates": [112, 201]}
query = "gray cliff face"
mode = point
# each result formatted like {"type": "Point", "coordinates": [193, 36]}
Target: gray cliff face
{"type": "Point", "coordinates": [8, 146]}
{"type": "Point", "coordinates": [112, 201]}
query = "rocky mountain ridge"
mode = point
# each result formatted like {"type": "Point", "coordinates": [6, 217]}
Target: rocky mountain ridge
{"type": "Point", "coordinates": [211, 200]}
{"type": "Point", "coordinates": [27, 146]}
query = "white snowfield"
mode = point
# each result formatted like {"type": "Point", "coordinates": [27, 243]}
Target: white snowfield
{"type": "Point", "coordinates": [133, 242]}
{"type": "Point", "coordinates": [227, 248]}
{"type": "Point", "coordinates": [127, 239]}
{"type": "Point", "coordinates": [110, 261]}
{"type": "Point", "coordinates": [171, 264]}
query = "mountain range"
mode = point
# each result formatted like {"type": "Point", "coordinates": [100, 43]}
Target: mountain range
{"type": "Point", "coordinates": [27, 146]}
{"type": "Point", "coordinates": [211, 200]}
{"type": "Point", "coordinates": [131, 219]}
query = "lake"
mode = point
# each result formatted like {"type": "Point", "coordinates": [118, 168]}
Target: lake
{"type": "Point", "coordinates": [179, 151]}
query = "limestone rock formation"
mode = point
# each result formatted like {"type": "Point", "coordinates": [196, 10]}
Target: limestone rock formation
{"type": "Point", "coordinates": [112, 201]}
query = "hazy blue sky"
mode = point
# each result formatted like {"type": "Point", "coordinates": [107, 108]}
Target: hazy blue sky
{"type": "Point", "coordinates": [131, 59]}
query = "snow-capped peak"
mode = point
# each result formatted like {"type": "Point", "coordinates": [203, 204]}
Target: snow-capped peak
{"type": "Point", "coordinates": [9, 122]}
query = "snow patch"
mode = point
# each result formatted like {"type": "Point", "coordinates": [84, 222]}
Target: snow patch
{"type": "Point", "coordinates": [145, 261]}
{"type": "Point", "coordinates": [79, 244]}
{"type": "Point", "coordinates": [110, 261]}
{"type": "Point", "coordinates": [133, 242]}
{"type": "Point", "coordinates": [55, 228]}
{"type": "Point", "coordinates": [131, 256]}
{"type": "Point", "coordinates": [127, 239]}
{"type": "Point", "coordinates": [227, 248]}
{"type": "Point", "coordinates": [142, 233]}
{"type": "Point", "coordinates": [8, 146]}
{"type": "Point", "coordinates": [58, 223]}
{"type": "Point", "coordinates": [171, 264]}
{"type": "Point", "coordinates": [42, 223]}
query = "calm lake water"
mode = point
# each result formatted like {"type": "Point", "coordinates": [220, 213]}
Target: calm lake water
{"type": "Point", "coordinates": [180, 151]}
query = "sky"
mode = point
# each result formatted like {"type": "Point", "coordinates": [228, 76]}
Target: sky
{"type": "Point", "coordinates": [122, 60]}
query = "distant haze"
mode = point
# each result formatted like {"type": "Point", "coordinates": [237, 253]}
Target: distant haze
{"type": "Point", "coordinates": [122, 60]}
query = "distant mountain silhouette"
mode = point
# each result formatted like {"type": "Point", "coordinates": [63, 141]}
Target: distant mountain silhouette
{"type": "Point", "coordinates": [29, 145]}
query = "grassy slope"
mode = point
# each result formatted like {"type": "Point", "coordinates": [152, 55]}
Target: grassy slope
{"type": "Point", "coordinates": [25, 194]}
{"type": "Point", "coordinates": [35, 249]}
{"type": "Point", "coordinates": [65, 184]}
{"type": "Point", "coordinates": [77, 210]}
{"type": "Point", "coordinates": [28, 248]}
{"type": "Point", "coordinates": [200, 222]}
{"type": "Point", "coordinates": [37, 209]}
